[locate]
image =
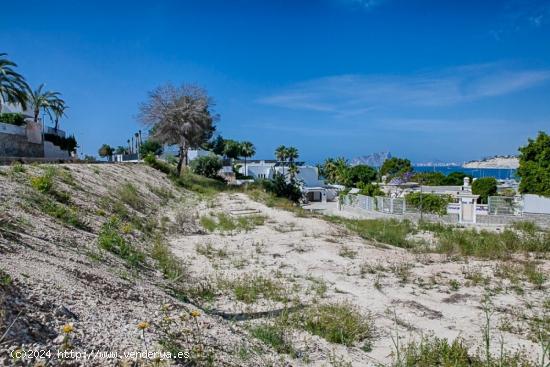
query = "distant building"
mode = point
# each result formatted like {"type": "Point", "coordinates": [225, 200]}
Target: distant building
{"type": "Point", "coordinates": [30, 139]}
{"type": "Point", "coordinates": [308, 177]}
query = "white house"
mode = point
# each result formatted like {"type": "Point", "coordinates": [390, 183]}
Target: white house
{"type": "Point", "coordinates": [197, 153]}
{"type": "Point", "coordinates": [308, 176]}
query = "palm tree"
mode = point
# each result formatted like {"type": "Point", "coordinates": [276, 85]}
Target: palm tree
{"type": "Point", "coordinates": [342, 170]}
{"type": "Point", "coordinates": [281, 154]}
{"type": "Point", "coordinates": [12, 84]}
{"type": "Point", "coordinates": [293, 171]}
{"type": "Point", "coordinates": [247, 150]}
{"type": "Point", "coordinates": [292, 154]}
{"type": "Point", "coordinates": [58, 109]}
{"type": "Point", "coordinates": [41, 99]}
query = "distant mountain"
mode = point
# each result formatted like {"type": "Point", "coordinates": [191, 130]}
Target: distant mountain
{"type": "Point", "coordinates": [506, 161]}
{"type": "Point", "coordinates": [373, 160]}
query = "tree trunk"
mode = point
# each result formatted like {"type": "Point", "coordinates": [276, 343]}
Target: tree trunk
{"type": "Point", "coordinates": [180, 161]}
{"type": "Point", "coordinates": [245, 173]}
{"type": "Point", "coordinates": [183, 161]}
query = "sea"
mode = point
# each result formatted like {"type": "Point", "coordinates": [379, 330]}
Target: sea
{"type": "Point", "coordinates": [498, 173]}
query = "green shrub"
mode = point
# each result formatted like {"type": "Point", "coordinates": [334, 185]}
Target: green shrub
{"type": "Point", "coordinates": [45, 184]}
{"type": "Point", "coordinates": [68, 144]}
{"type": "Point", "coordinates": [5, 279]}
{"type": "Point", "coordinates": [370, 189]}
{"type": "Point", "coordinates": [273, 335]}
{"type": "Point", "coordinates": [389, 231]}
{"type": "Point", "coordinates": [200, 184]}
{"type": "Point", "coordinates": [12, 118]}
{"type": "Point", "coordinates": [280, 187]}
{"type": "Point", "coordinates": [257, 193]}
{"type": "Point", "coordinates": [130, 195]}
{"type": "Point", "coordinates": [42, 183]}
{"type": "Point", "coordinates": [150, 147]}
{"type": "Point", "coordinates": [360, 174]}
{"type": "Point", "coordinates": [341, 323]}
{"type": "Point", "coordinates": [428, 203]}
{"type": "Point", "coordinates": [61, 212]}
{"type": "Point", "coordinates": [207, 166]}
{"type": "Point", "coordinates": [484, 187]}
{"type": "Point", "coordinates": [439, 179]}
{"type": "Point", "coordinates": [250, 288]}
{"type": "Point", "coordinates": [534, 166]}
{"type": "Point", "coordinates": [110, 239]}
{"type": "Point", "coordinates": [525, 226]}
{"type": "Point", "coordinates": [169, 264]}
{"type": "Point", "coordinates": [17, 167]}
{"type": "Point", "coordinates": [431, 352]}
{"type": "Point", "coordinates": [487, 244]}
{"type": "Point", "coordinates": [395, 167]}
{"type": "Point", "coordinates": [164, 167]}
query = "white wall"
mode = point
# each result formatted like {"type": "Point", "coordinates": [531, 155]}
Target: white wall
{"type": "Point", "coordinates": [536, 204]}
{"type": "Point", "coordinates": [308, 175]}
{"type": "Point", "coordinates": [258, 171]}
{"type": "Point", "coordinates": [194, 154]}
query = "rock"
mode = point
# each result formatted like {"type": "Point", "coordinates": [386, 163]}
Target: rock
{"type": "Point", "coordinates": [63, 311]}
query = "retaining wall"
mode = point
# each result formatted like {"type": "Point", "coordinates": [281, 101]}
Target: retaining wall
{"type": "Point", "coordinates": [15, 145]}
{"type": "Point", "coordinates": [53, 151]}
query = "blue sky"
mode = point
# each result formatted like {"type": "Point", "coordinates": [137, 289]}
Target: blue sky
{"type": "Point", "coordinates": [427, 80]}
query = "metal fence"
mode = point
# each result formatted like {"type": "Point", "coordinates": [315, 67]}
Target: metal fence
{"type": "Point", "coordinates": [497, 205]}
{"type": "Point", "coordinates": [503, 205]}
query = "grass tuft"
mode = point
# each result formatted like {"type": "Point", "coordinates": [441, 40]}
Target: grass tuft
{"type": "Point", "coordinates": [110, 239]}
{"type": "Point", "coordinates": [341, 323]}
{"type": "Point", "coordinates": [130, 195]}
{"type": "Point", "coordinates": [225, 223]}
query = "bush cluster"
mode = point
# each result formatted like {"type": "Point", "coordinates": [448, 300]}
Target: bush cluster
{"type": "Point", "coordinates": [207, 166]}
{"type": "Point", "coordinates": [69, 144]}
{"type": "Point", "coordinates": [280, 187]}
{"type": "Point", "coordinates": [12, 118]}
{"type": "Point", "coordinates": [164, 167]}
{"type": "Point", "coordinates": [428, 203]}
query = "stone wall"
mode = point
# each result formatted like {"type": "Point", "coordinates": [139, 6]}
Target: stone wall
{"type": "Point", "coordinates": [53, 151]}
{"type": "Point", "coordinates": [15, 145]}
{"type": "Point", "coordinates": [414, 217]}
{"type": "Point", "coordinates": [542, 220]}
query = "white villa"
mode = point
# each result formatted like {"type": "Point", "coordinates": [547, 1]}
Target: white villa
{"type": "Point", "coordinates": [308, 176]}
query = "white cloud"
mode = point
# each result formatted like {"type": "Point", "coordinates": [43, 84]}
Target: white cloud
{"type": "Point", "coordinates": [347, 95]}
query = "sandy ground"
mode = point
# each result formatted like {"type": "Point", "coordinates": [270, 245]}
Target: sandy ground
{"type": "Point", "coordinates": [409, 294]}
{"type": "Point", "coordinates": [58, 275]}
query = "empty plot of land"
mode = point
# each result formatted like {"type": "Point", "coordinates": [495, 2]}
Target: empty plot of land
{"type": "Point", "coordinates": [254, 270]}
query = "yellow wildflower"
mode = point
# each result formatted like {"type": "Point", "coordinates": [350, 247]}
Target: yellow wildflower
{"type": "Point", "coordinates": [143, 325]}
{"type": "Point", "coordinates": [195, 313]}
{"type": "Point", "coordinates": [68, 328]}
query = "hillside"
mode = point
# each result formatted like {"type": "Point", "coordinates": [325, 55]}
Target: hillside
{"type": "Point", "coordinates": [494, 162]}
{"type": "Point", "coordinates": [373, 160]}
{"type": "Point", "coordinates": [118, 257]}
